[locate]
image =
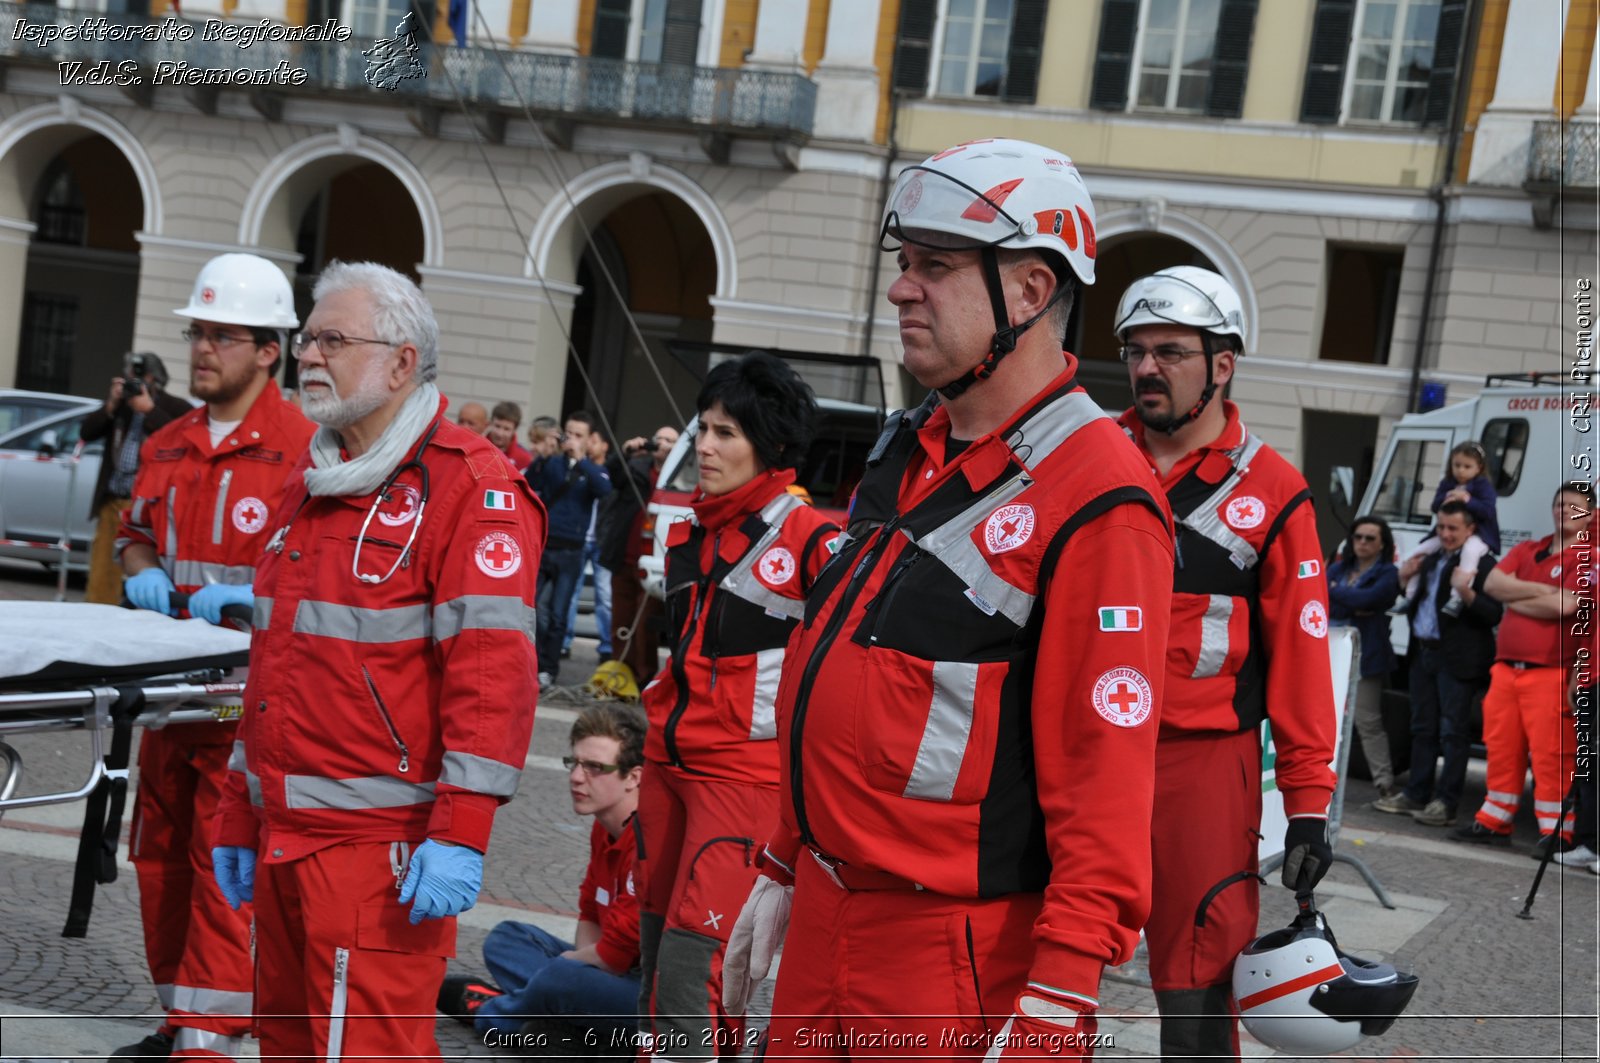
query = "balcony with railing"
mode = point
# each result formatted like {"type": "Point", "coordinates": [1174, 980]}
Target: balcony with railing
{"type": "Point", "coordinates": [1562, 155]}
{"type": "Point", "coordinates": [555, 90]}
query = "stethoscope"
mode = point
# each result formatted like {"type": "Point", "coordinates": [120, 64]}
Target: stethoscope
{"type": "Point", "coordinates": [383, 496]}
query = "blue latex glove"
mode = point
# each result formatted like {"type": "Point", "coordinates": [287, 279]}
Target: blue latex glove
{"type": "Point", "coordinates": [234, 868]}
{"type": "Point", "coordinates": [151, 589]}
{"type": "Point", "coordinates": [207, 602]}
{"type": "Point", "coordinates": [444, 879]}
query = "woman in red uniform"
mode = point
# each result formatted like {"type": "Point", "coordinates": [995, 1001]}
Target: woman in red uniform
{"type": "Point", "coordinates": [736, 577]}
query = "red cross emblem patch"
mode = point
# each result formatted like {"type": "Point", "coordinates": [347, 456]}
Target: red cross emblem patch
{"type": "Point", "coordinates": [249, 515]}
{"type": "Point", "coordinates": [497, 554]}
{"type": "Point", "coordinates": [208, 295]}
{"type": "Point", "coordinates": [1008, 527]}
{"type": "Point", "coordinates": [401, 507]}
{"type": "Point", "coordinates": [1122, 697]}
{"type": "Point", "coordinates": [1246, 512]}
{"type": "Point", "coordinates": [776, 566]}
{"type": "Point", "coordinates": [1314, 620]}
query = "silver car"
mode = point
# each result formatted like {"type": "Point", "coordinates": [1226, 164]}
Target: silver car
{"type": "Point", "coordinates": [42, 490]}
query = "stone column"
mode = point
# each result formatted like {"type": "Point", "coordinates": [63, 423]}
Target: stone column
{"type": "Point", "coordinates": [1524, 92]}
{"type": "Point", "coordinates": [780, 35]}
{"type": "Point", "coordinates": [552, 27]}
{"type": "Point", "coordinates": [847, 79]}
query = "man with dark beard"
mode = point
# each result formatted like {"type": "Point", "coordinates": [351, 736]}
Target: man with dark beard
{"type": "Point", "coordinates": [1248, 641]}
{"type": "Point", "coordinates": [208, 485]}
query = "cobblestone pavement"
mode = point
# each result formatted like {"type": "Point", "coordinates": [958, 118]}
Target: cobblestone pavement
{"type": "Point", "coordinates": [1494, 987]}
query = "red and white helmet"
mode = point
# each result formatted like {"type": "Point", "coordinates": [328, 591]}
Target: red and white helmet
{"type": "Point", "coordinates": [995, 193]}
{"type": "Point", "coordinates": [1298, 993]}
{"type": "Point", "coordinates": [1183, 295]}
{"type": "Point", "coordinates": [237, 289]}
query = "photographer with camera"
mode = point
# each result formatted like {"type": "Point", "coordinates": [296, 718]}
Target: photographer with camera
{"type": "Point", "coordinates": [136, 406]}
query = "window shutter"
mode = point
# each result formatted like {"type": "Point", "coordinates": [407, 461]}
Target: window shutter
{"type": "Point", "coordinates": [913, 47]}
{"type": "Point", "coordinates": [1023, 51]}
{"type": "Point", "coordinates": [1113, 60]}
{"type": "Point", "coordinates": [611, 19]}
{"type": "Point", "coordinates": [1330, 51]}
{"type": "Point", "coordinates": [680, 35]}
{"type": "Point", "coordinates": [1230, 58]}
{"type": "Point", "coordinates": [1446, 51]}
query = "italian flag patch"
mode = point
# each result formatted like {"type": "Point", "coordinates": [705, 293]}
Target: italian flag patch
{"type": "Point", "coordinates": [1121, 618]}
{"type": "Point", "coordinates": [499, 500]}
{"type": "Point", "coordinates": [1309, 569]}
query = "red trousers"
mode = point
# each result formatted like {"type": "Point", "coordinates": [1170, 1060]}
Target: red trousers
{"type": "Point", "coordinates": [1525, 716]}
{"type": "Point", "coordinates": [341, 972]}
{"type": "Point", "coordinates": [881, 973]}
{"type": "Point", "coordinates": [1196, 846]}
{"type": "Point", "coordinates": [699, 840]}
{"type": "Point", "coordinates": [197, 947]}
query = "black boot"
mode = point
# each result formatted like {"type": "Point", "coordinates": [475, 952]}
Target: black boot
{"type": "Point", "coordinates": [1197, 1024]}
{"type": "Point", "coordinates": [157, 1046]}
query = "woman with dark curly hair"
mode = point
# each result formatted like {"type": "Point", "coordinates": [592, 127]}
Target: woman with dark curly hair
{"type": "Point", "coordinates": [736, 578]}
{"type": "Point", "coordinates": [1362, 585]}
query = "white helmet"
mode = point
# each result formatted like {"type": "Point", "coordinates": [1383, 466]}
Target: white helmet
{"type": "Point", "coordinates": [242, 290]}
{"type": "Point", "coordinates": [1299, 994]}
{"type": "Point", "coordinates": [1183, 295]}
{"type": "Point", "coordinates": [994, 193]}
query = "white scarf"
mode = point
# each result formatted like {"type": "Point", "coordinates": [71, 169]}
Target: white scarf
{"type": "Point", "coordinates": [332, 474]}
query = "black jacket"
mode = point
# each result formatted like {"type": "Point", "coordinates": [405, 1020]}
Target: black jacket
{"type": "Point", "coordinates": [619, 510]}
{"type": "Point", "coordinates": [1466, 641]}
{"type": "Point", "coordinates": [100, 425]}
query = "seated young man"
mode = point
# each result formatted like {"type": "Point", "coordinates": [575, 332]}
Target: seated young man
{"type": "Point", "coordinates": [592, 983]}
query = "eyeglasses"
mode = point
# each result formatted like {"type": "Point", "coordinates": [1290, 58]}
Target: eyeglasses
{"type": "Point", "coordinates": [1166, 354]}
{"type": "Point", "coordinates": [1364, 538]}
{"type": "Point", "coordinates": [590, 768]}
{"type": "Point", "coordinates": [331, 341]}
{"type": "Point", "coordinates": [219, 340]}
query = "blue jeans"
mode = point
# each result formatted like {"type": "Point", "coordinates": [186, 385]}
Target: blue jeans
{"type": "Point", "coordinates": [1441, 707]}
{"type": "Point", "coordinates": [558, 582]}
{"type": "Point", "coordinates": [602, 600]}
{"type": "Point", "coordinates": [526, 962]}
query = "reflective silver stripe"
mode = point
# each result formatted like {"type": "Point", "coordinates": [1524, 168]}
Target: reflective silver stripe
{"type": "Point", "coordinates": [172, 529]}
{"type": "Point", "coordinates": [1206, 521]}
{"type": "Point", "coordinates": [373, 791]}
{"type": "Point", "coordinates": [222, 508]}
{"type": "Point", "coordinates": [236, 761]}
{"type": "Point", "coordinates": [199, 1001]}
{"type": "Point", "coordinates": [189, 1039]}
{"type": "Point", "coordinates": [261, 617]}
{"type": "Point", "coordinates": [482, 612]}
{"type": "Point", "coordinates": [1494, 811]}
{"type": "Point", "coordinates": [136, 512]}
{"type": "Point", "coordinates": [741, 582]}
{"type": "Point", "coordinates": [479, 774]}
{"type": "Point", "coordinates": [944, 739]}
{"type": "Point", "coordinates": [164, 995]}
{"type": "Point", "coordinates": [354, 624]}
{"type": "Point", "coordinates": [201, 573]}
{"type": "Point", "coordinates": [336, 1007]}
{"type": "Point", "coordinates": [252, 783]}
{"type": "Point", "coordinates": [1036, 438]}
{"type": "Point", "coordinates": [952, 545]}
{"type": "Point", "coordinates": [1504, 797]}
{"type": "Point", "coordinates": [764, 706]}
{"type": "Point", "coordinates": [1213, 637]}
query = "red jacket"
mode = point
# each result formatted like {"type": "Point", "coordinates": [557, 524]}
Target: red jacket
{"type": "Point", "coordinates": [607, 897]}
{"type": "Point", "coordinates": [400, 709]}
{"type": "Point", "coordinates": [208, 513]}
{"type": "Point", "coordinates": [225, 500]}
{"type": "Point", "coordinates": [736, 579]}
{"type": "Point", "coordinates": [972, 702]}
{"type": "Point", "coordinates": [1250, 608]}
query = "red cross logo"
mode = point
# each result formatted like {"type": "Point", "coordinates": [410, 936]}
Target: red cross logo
{"type": "Point", "coordinates": [1246, 512]}
{"type": "Point", "coordinates": [497, 554]}
{"type": "Point", "coordinates": [777, 566]}
{"type": "Point", "coordinates": [1122, 697]}
{"type": "Point", "coordinates": [208, 295]}
{"type": "Point", "coordinates": [401, 507]}
{"type": "Point", "coordinates": [250, 515]}
{"type": "Point", "coordinates": [1314, 620]}
{"type": "Point", "coordinates": [1008, 527]}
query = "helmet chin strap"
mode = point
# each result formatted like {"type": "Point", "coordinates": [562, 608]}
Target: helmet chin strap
{"type": "Point", "coordinates": [1005, 333]}
{"type": "Point", "coordinates": [1208, 343]}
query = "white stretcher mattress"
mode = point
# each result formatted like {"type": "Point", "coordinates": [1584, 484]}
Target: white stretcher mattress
{"type": "Point", "coordinates": [53, 642]}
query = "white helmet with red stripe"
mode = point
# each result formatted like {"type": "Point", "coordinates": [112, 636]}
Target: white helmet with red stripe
{"type": "Point", "coordinates": [1298, 993]}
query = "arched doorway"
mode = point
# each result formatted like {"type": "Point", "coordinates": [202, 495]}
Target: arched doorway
{"type": "Point", "coordinates": [81, 279]}
{"type": "Point", "coordinates": [1120, 261]}
{"type": "Point", "coordinates": [663, 272]}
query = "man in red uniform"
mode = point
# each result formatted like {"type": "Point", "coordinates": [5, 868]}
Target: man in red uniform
{"type": "Point", "coordinates": [208, 484]}
{"type": "Point", "coordinates": [967, 718]}
{"type": "Point", "coordinates": [1248, 641]}
{"type": "Point", "coordinates": [391, 689]}
{"type": "Point", "coordinates": [1544, 585]}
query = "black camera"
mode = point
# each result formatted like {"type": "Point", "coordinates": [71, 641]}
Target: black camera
{"type": "Point", "coordinates": [136, 369]}
{"type": "Point", "coordinates": [132, 386]}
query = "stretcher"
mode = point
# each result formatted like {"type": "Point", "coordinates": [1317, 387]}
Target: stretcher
{"type": "Point", "coordinates": [68, 666]}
